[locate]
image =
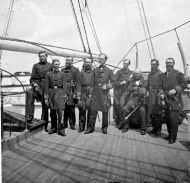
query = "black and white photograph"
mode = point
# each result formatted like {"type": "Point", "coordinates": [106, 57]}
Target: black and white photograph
{"type": "Point", "coordinates": [95, 91]}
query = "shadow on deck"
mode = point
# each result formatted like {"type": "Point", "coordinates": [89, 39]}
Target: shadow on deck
{"type": "Point", "coordinates": [115, 157]}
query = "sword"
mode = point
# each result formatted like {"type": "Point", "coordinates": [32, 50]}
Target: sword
{"type": "Point", "coordinates": [109, 116]}
{"type": "Point", "coordinates": [43, 112]}
{"type": "Point", "coordinates": [177, 102]}
{"type": "Point", "coordinates": [98, 117]}
{"type": "Point", "coordinates": [62, 125]}
{"type": "Point", "coordinates": [132, 112]}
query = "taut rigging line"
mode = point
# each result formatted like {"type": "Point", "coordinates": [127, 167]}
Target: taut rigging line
{"type": "Point", "coordinates": [144, 28]}
{"type": "Point", "coordinates": [84, 28]}
{"type": "Point", "coordinates": [148, 30]}
{"type": "Point", "coordinates": [90, 21]}
{"type": "Point", "coordinates": [78, 27]}
{"type": "Point", "coordinates": [138, 42]}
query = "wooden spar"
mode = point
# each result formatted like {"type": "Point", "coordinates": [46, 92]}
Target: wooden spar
{"type": "Point", "coordinates": [32, 47]}
{"type": "Point", "coordinates": [185, 65]}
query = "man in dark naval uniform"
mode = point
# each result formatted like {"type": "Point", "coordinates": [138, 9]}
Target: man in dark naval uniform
{"type": "Point", "coordinates": [136, 105]}
{"type": "Point", "coordinates": [85, 103]}
{"type": "Point", "coordinates": [73, 85]}
{"type": "Point", "coordinates": [121, 93]}
{"type": "Point", "coordinates": [55, 96]}
{"type": "Point", "coordinates": [172, 84]}
{"type": "Point", "coordinates": [39, 71]}
{"type": "Point", "coordinates": [153, 87]}
{"type": "Point", "coordinates": [102, 81]}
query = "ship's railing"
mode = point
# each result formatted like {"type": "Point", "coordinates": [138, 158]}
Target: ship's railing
{"type": "Point", "coordinates": [4, 94]}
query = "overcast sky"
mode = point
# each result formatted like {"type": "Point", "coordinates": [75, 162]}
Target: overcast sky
{"type": "Point", "coordinates": [117, 23]}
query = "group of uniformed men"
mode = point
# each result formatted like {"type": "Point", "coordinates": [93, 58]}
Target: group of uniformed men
{"type": "Point", "coordinates": [89, 89]}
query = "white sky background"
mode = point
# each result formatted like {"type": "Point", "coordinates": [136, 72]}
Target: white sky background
{"type": "Point", "coordinates": [117, 23]}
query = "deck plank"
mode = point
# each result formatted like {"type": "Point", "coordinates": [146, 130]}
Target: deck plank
{"type": "Point", "coordinates": [128, 157]}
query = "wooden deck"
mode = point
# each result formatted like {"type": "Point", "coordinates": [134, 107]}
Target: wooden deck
{"type": "Point", "coordinates": [115, 157]}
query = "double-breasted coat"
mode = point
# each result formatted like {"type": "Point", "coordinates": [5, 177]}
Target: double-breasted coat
{"type": "Point", "coordinates": [101, 76]}
{"type": "Point", "coordinates": [55, 89]}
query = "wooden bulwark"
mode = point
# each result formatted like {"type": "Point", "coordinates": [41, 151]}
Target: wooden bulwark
{"type": "Point", "coordinates": [96, 157]}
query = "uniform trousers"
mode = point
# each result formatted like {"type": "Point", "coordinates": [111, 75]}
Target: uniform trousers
{"type": "Point", "coordinates": [83, 120]}
{"type": "Point", "coordinates": [69, 114]}
{"type": "Point", "coordinates": [172, 122]}
{"type": "Point", "coordinates": [57, 113]}
{"type": "Point", "coordinates": [93, 120]}
{"type": "Point", "coordinates": [31, 96]}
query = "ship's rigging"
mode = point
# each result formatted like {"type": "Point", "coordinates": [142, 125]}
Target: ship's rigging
{"type": "Point", "coordinates": [26, 46]}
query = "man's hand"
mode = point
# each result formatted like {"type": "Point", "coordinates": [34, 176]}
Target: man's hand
{"type": "Point", "coordinates": [188, 86]}
{"type": "Point", "coordinates": [172, 92]}
{"type": "Point", "coordinates": [104, 87]}
{"type": "Point", "coordinates": [46, 102]}
{"type": "Point", "coordinates": [135, 88]}
{"type": "Point", "coordinates": [109, 86]}
{"type": "Point", "coordinates": [36, 87]}
{"type": "Point", "coordinates": [123, 82]}
{"type": "Point", "coordinates": [147, 93]}
{"type": "Point", "coordinates": [35, 84]}
{"type": "Point", "coordinates": [162, 96]}
{"type": "Point", "coordinates": [79, 104]}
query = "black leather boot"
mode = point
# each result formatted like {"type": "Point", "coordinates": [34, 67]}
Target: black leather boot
{"type": "Point", "coordinates": [62, 132]}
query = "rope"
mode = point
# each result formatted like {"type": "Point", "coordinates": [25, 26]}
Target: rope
{"type": "Point", "coordinates": [109, 65]}
{"type": "Point", "coordinates": [148, 30]}
{"type": "Point", "coordinates": [127, 22]}
{"type": "Point", "coordinates": [73, 63]}
{"type": "Point", "coordinates": [144, 28]}
{"type": "Point", "coordinates": [78, 27]}
{"type": "Point", "coordinates": [90, 21]}
{"type": "Point", "coordinates": [124, 57]}
{"type": "Point", "coordinates": [170, 30]}
{"type": "Point", "coordinates": [85, 32]}
{"type": "Point", "coordinates": [84, 27]}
